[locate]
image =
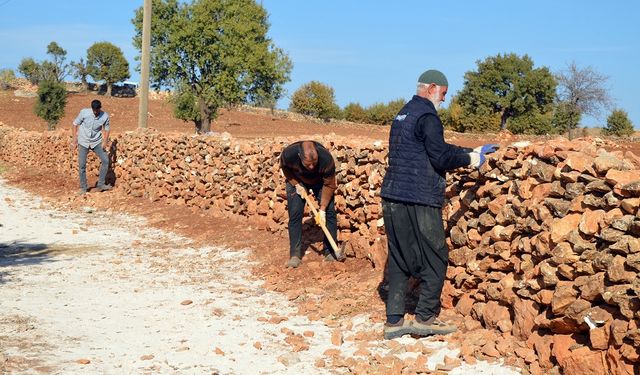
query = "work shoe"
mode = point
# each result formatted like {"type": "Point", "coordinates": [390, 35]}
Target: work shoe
{"type": "Point", "coordinates": [393, 331]}
{"type": "Point", "coordinates": [81, 192]}
{"type": "Point", "coordinates": [431, 326]}
{"type": "Point", "coordinates": [104, 187]}
{"type": "Point", "coordinates": [294, 262]}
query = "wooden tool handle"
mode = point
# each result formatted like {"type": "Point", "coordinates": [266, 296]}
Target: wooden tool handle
{"type": "Point", "coordinates": [310, 200]}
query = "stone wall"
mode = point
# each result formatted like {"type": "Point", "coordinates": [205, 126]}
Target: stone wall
{"type": "Point", "coordinates": [544, 238]}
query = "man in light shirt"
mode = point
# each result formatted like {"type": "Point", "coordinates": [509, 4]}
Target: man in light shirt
{"type": "Point", "coordinates": [90, 131]}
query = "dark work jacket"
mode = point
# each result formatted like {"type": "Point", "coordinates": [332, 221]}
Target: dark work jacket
{"type": "Point", "coordinates": [419, 157]}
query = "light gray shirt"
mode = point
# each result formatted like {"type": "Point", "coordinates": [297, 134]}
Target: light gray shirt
{"type": "Point", "coordinates": [90, 127]}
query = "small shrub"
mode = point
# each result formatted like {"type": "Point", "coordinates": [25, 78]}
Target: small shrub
{"type": "Point", "coordinates": [6, 78]}
{"type": "Point", "coordinates": [383, 114]}
{"type": "Point", "coordinates": [52, 98]}
{"type": "Point", "coordinates": [354, 112]}
{"type": "Point", "coordinates": [618, 123]}
{"type": "Point", "coordinates": [31, 70]}
{"type": "Point", "coordinates": [315, 99]}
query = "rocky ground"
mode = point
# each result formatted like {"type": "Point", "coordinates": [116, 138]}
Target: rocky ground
{"type": "Point", "coordinates": [91, 290]}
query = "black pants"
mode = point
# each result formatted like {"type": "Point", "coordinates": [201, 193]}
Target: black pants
{"type": "Point", "coordinates": [416, 239]}
{"type": "Point", "coordinates": [295, 206]}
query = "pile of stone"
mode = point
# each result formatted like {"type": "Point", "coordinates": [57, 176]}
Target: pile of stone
{"type": "Point", "coordinates": [544, 246]}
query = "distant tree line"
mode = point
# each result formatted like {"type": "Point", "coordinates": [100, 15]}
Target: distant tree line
{"type": "Point", "coordinates": [506, 92]}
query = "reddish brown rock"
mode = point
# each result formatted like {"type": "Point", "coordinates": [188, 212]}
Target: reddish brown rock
{"type": "Point", "coordinates": [563, 296]}
{"type": "Point", "coordinates": [617, 273]}
{"type": "Point", "coordinates": [593, 286]}
{"type": "Point", "coordinates": [561, 347]}
{"type": "Point", "coordinates": [599, 337]}
{"type": "Point", "coordinates": [591, 222]}
{"type": "Point", "coordinates": [578, 161]}
{"type": "Point", "coordinates": [584, 361]}
{"type": "Point", "coordinates": [336, 337]}
{"type": "Point", "coordinates": [604, 162]}
{"type": "Point", "coordinates": [630, 205]}
{"type": "Point", "coordinates": [542, 346]}
{"type": "Point", "coordinates": [497, 317]}
{"type": "Point", "coordinates": [619, 329]}
{"type": "Point", "coordinates": [616, 364]}
{"type": "Point", "coordinates": [630, 352]}
{"type": "Point", "coordinates": [561, 228]}
{"type": "Point", "coordinates": [465, 304]}
{"type": "Point", "coordinates": [619, 178]}
{"type": "Point", "coordinates": [525, 312]}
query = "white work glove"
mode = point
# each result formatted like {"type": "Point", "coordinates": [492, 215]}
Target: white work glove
{"type": "Point", "coordinates": [321, 218]}
{"type": "Point", "coordinates": [300, 190]}
{"type": "Point", "coordinates": [476, 159]}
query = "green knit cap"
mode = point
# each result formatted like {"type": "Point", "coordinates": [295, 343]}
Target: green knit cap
{"type": "Point", "coordinates": [433, 76]}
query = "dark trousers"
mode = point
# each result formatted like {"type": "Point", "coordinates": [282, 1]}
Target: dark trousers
{"type": "Point", "coordinates": [417, 248]}
{"type": "Point", "coordinates": [82, 164]}
{"type": "Point", "coordinates": [295, 207]}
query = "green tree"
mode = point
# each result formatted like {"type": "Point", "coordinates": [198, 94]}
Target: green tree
{"type": "Point", "coordinates": [315, 99]}
{"type": "Point", "coordinates": [52, 98]}
{"type": "Point", "coordinates": [565, 117]}
{"type": "Point", "coordinates": [507, 86]}
{"type": "Point", "coordinates": [451, 115]}
{"type": "Point", "coordinates": [57, 67]}
{"type": "Point", "coordinates": [6, 78]}
{"type": "Point", "coordinates": [618, 123]}
{"type": "Point", "coordinates": [30, 69]}
{"type": "Point", "coordinates": [219, 50]}
{"type": "Point", "coordinates": [584, 91]}
{"type": "Point", "coordinates": [106, 62]}
{"type": "Point", "coordinates": [383, 114]}
{"type": "Point", "coordinates": [533, 122]}
{"type": "Point", "coordinates": [81, 72]}
{"type": "Point", "coordinates": [354, 112]}
{"type": "Point", "coordinates": [185, 105]}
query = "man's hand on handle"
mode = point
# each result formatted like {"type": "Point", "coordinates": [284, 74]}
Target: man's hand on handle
{"type": "Point", "coordinates": [300, 190]}
{"type": "Point", "coordinates": [321, 218]}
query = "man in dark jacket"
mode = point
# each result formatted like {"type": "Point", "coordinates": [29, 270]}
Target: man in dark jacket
{"type": "Point", "coordinates": [308, 165]}
{"type": "Point", "coordinates": [412, 198]}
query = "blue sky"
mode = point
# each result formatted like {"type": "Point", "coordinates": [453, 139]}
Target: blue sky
{"type": "Point", "coordinates": [373, 51]}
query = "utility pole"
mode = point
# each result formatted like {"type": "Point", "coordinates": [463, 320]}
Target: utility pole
{"type": "Point", "coordinates": [143, 107]}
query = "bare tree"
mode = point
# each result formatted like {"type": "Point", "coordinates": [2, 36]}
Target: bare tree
{"type": "Point", "coordinates": [584, 91]}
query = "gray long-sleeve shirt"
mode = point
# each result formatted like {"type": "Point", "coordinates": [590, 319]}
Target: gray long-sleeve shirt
{"type": "Point", "coordinates": [90, 127]}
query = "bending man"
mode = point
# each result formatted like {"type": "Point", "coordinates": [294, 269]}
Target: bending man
{"type": "Point", "coordinates": [308, 165]}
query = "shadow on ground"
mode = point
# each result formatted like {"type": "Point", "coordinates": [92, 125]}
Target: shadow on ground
{"type": "Point", "coordinates": [21, 253]}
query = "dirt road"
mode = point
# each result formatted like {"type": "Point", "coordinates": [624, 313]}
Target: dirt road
{"type": "Point", "coordinates": [96, 292]}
